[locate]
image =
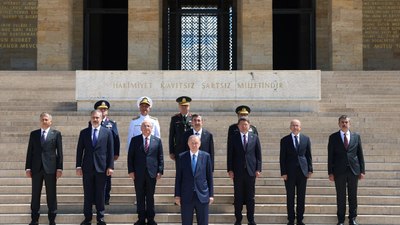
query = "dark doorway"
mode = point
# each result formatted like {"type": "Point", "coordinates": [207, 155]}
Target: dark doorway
{"type": "Point", "coordinates": [294, 34]}
{"type": "Point", "coordinates": [106, 35]}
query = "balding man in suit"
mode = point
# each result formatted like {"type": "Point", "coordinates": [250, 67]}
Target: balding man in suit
{"type": "Point", "coordinates": [44, 161]}
{"type": "Point", "coordinates": [194, 189]}
{"type": "Point", "coordinates": [145, 167]}
{"type": "Point", "coordinates": [296, 167]}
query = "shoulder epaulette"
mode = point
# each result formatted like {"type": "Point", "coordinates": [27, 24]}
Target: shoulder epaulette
{"type": "Point", "coordinates": [154, 118]}
{"type": "Point", "coordinates": [135, 117]}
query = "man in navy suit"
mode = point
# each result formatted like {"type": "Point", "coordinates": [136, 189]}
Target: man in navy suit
{"type": "Point", "coordinates": [194, 189]}
{"type": "Point", "coordinates": [106, 122]}
{"type": "Point", "coordinates": [44, 161]}
{"type": "Point", "coordinates": [206, 138]}
{"type": "Point", "coordinates": [145, 167]}
{"type": "Point", "coordinates": [296, 167]}
{"type": "Point", "coordinates": [345, 167]}
{"type": "Point", "coordinates": [94, 161]}
{"type": "Point", "coordinates": [244, 166]}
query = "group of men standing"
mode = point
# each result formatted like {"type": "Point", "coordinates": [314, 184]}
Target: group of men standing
{"type": "Point", "coordinates": [192, 148]}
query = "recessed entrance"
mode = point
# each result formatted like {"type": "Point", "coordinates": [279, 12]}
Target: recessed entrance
{"type": "Point", "coordinates": [293, 34]}
{"type": "Point", "coordinates": [106, 35]}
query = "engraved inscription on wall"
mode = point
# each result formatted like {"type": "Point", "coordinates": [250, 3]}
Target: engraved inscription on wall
{"type": "Point", "coordinates": [18, 29]}
{"type": "Point", "coordinates": [381, 34]}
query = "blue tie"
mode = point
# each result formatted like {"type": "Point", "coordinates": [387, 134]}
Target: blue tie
{"type": "Point", "coordinates": [296, 142]}
{"type": "Point", "coordinates": [194, 161]}
{"type": "Point", "coordinates": [43, 137]}
{"type": "Point", "coordinates": [94, 140]}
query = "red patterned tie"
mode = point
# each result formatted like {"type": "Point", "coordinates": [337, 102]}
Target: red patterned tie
{"type": "Point", "coordinates": [346, 142]}
{"type": "Point", "coordinates": [146, 145]}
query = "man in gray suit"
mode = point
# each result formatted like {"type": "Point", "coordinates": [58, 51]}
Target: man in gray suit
{"type": "Point", "coordinates": [44, 161]}
{"type": "Point", "coordinates": [296, 167]}
{"type": "Point", "coordinates": [345, 167]}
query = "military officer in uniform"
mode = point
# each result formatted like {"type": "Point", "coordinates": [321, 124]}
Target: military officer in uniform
{"type": "Point", "coordinates": [144, 104]}
{"type": "Point", "coordinates": [106, 122]}
{"type": "Point", "coordinates": [241, 111]}
{"type": "Point", "coordinates": [180, 123]}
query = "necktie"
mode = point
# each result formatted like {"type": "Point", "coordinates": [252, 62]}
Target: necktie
{"type": "Point", "coordinates": [94, 139]}
{"type": "Point", "coordinates": [296, 142]}
{"type": "Point", "coordinates": [346, 142]}
{"type": "Point", "coordinates": [244, 142]}
{"type": "Point", "coordinates": [43, 137]}
{"type": "Point", "coordinates": [194, 161]}
{"type": "Point", "coordinates": [146, 144]}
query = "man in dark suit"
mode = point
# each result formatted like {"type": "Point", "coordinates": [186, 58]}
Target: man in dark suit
{"type": "Point", "coordinates": [244, 166]}
{"type": "Point", "coordinates": [106, 122]}
{"type": "Point", "coordinates": [44, 161]}
{"type": "Point", "coordinates": [194, 189]}
{"type": "Point", "coordinates": [94, 161]}
{"type": "Point", "coordinates": [241, 111]}
{"type": "Point", "coordinates": [180, 123]}
{"type": "Point", "coordinates": [296, 167]}
{"type": "Point", "coordinates": [345, 167]}
{"type": "Point", "coordinates": [145, 167]}
{"type": "Point", "coordinates": [206, 138]}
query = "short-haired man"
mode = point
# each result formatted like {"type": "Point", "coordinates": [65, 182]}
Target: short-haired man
{"type": "Point", "coordinates": [104, 107]}
{"type": "Point", "coordinates": [44, 161]}
{"type": "Point", "coordinates": [244, 166]}
{"type": "Point", "coordinates": [345, 167]}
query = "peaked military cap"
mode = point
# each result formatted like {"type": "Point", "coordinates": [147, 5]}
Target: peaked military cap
{"type": "Point", "coordinates": [243, 109]}
{"type": "Point", "coordinates": [184, 100]}
{"type": "Point", "coordinates": [144, 100]}
{"type": "Point", "coordinates": [102, 104]}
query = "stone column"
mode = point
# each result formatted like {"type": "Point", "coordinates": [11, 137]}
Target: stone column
{"type": "Point", "coordinates": [54, 36]}
{"type": "Point", "coordinates": [254, 34]}
{"type": "Point", "coordinates": [144, 34]}
{"type": "Point", "coordinates": [347, 40]}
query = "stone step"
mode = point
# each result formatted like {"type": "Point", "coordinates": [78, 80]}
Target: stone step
{"type": "Point", "coordinates": [218, 218]}
{"type": "Point", "coordinates": [165, 181]}
{"type": "Point", "coordinates": [125, 208]}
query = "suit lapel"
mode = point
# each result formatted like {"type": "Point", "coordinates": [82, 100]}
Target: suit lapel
{"type": "Point", "coordinates": [351, 142]}
{"type": "Point", "coordinates": [151, 143]}
{"type": "Point", "coordinates": [199, 158]}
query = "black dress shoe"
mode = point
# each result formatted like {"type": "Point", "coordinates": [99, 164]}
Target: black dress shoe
{"type": "Point", "coordinates": [252, 223]}
{"type": "Point", "coordinates": [34, 223]}
{"type": "Point", "coordinates": [290, 223]}
{"type": "Point", "coordinates": [151, 222]}
{"type": "Point", "coordinates": [140, 222]}
{"type": "Point", "coordinates": [340, 223]}
{"type": "Point", "coordinates": [52, 223]}
{"type": "Point", "coordinates": [238, 223]}
{"type": "Point", "coordinates": [86, 222]}
{"type": "Point", "coordinates": [300, 223]}
{"type": "Point", "coordinates": [101, 222]}
{"type": "Point", "coordinates": [353, 222]}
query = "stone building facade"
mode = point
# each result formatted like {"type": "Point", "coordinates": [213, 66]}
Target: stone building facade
{"type": "Point", "coordinates": [349, 34]}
